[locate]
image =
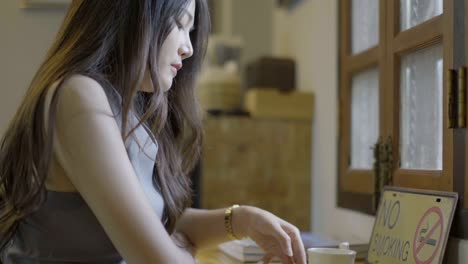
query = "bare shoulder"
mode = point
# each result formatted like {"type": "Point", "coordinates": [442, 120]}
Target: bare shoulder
{"type": "Point", "coordinates": [83, 87]}
{"type": "Point", "coordinates": [82, 94]}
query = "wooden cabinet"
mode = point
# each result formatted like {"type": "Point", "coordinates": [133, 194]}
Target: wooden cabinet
{"type": "Point", "coordinates": [259, 162]}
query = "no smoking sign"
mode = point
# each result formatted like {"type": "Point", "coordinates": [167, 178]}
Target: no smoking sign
{"type": "Point", "coordinates": [428, 236]}
{"type": "Point", "coordinates": [411, 226]}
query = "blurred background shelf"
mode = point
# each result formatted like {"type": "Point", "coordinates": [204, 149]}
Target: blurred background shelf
{"type": "Point", "coordinates": [260, 162]}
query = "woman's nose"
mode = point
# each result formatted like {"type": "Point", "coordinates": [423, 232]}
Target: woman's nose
{"type": "Point", "coordinates": [186, 50]}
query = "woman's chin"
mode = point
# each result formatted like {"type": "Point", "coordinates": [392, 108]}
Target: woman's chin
{"type": "Point", "coordinates": [166, 86]}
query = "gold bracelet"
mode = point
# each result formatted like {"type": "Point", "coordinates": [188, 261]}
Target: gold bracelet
{"type": "Point", "coordinates": [228, 222]}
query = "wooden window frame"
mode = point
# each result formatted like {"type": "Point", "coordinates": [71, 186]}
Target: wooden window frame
{"type": "Point", "coordinates": [437, 30]}
{"type": "Point", "coordinates": [355, 188]}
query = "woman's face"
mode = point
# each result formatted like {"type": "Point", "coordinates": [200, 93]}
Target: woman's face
{"type": "Point", "coordinates": [175, 49]}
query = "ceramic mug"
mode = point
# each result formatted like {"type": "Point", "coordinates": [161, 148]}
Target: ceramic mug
{"type": "Point", "coordinates": [330, 256]}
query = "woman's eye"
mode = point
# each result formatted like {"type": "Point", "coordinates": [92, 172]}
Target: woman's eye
{"type": "Point", "coordinates": [179, 25]}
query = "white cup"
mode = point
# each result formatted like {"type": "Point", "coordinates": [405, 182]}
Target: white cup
{"type": "Point", "coordinates": [330, 256]}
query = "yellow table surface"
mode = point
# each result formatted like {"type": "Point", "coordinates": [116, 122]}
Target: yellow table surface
{"type": "Point", "coordinates": [214, 256]}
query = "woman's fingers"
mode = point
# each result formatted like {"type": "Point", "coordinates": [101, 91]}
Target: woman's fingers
{"type": "Point", "coordinates": [287, 260]}
{"type": "Point", "coordinates": [297, 245]}
{"type": "Point", "coordinates": [279, 238]}
{"type": "Point", "coordinates": [284, 240]}
{"type": "Point", "coordinates": [269, 257]}
{"type": "Point", "coordinates": [296, 241]}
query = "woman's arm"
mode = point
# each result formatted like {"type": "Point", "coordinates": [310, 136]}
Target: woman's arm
{"type": "Point", "coordinates": [275, 236]}
{"type": "Point", "coordinates": [89, 146]}
{"type": "Point", "coordinates": [205, 228]}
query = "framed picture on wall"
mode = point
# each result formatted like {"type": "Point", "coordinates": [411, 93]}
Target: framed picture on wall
{"type": "Point", "coordinates": [43, 3]}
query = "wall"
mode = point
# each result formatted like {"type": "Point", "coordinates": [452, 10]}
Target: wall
{"type": "Point", "coordinates": [250, 20]}
{"type": "Point", "coordinates": [26, 35]}
{"type": "Point", "coordinates": [309, 34]}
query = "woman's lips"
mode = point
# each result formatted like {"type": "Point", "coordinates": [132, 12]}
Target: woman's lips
{"type": "Point", "coordinates": [175, 68]}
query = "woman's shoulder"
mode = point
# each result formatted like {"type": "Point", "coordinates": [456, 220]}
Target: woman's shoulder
{"type": "Point", "coordinates": [81, 80]}
{"type": "Point", "coordinates": [83, 87]}
{"type": "Point", "coordinates": [82, 93]}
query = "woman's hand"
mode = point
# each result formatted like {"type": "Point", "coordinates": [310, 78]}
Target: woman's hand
{"type": "Point", "coordinates": [274, 235]}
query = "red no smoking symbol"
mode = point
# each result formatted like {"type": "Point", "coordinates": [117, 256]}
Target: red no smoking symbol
{"type": "Point", "coordinates": [428, 236]}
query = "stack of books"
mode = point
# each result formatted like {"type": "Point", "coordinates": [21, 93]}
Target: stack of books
{"type": "Point", "coordinates": [246, 250]}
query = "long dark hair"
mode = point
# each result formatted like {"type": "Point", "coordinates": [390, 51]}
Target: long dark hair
{"type": "Point", "coordinates": [113, 42]}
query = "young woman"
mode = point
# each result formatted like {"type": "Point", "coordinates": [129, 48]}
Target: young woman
{"type": "Point", "coordinates": [94, 165]}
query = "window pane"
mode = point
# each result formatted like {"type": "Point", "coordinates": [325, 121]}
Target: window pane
{"type": "Point", "coordinates": [364, 118]}
{"type": "Point", "coordinates": [365, 25]}
{"type": "Point", "coordinates": [415, 12]}
{"type": "Point", "coordinates": [421, 109]}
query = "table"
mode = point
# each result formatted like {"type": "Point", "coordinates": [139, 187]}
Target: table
{"type": "Point", "coordinates": [214, 256]}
